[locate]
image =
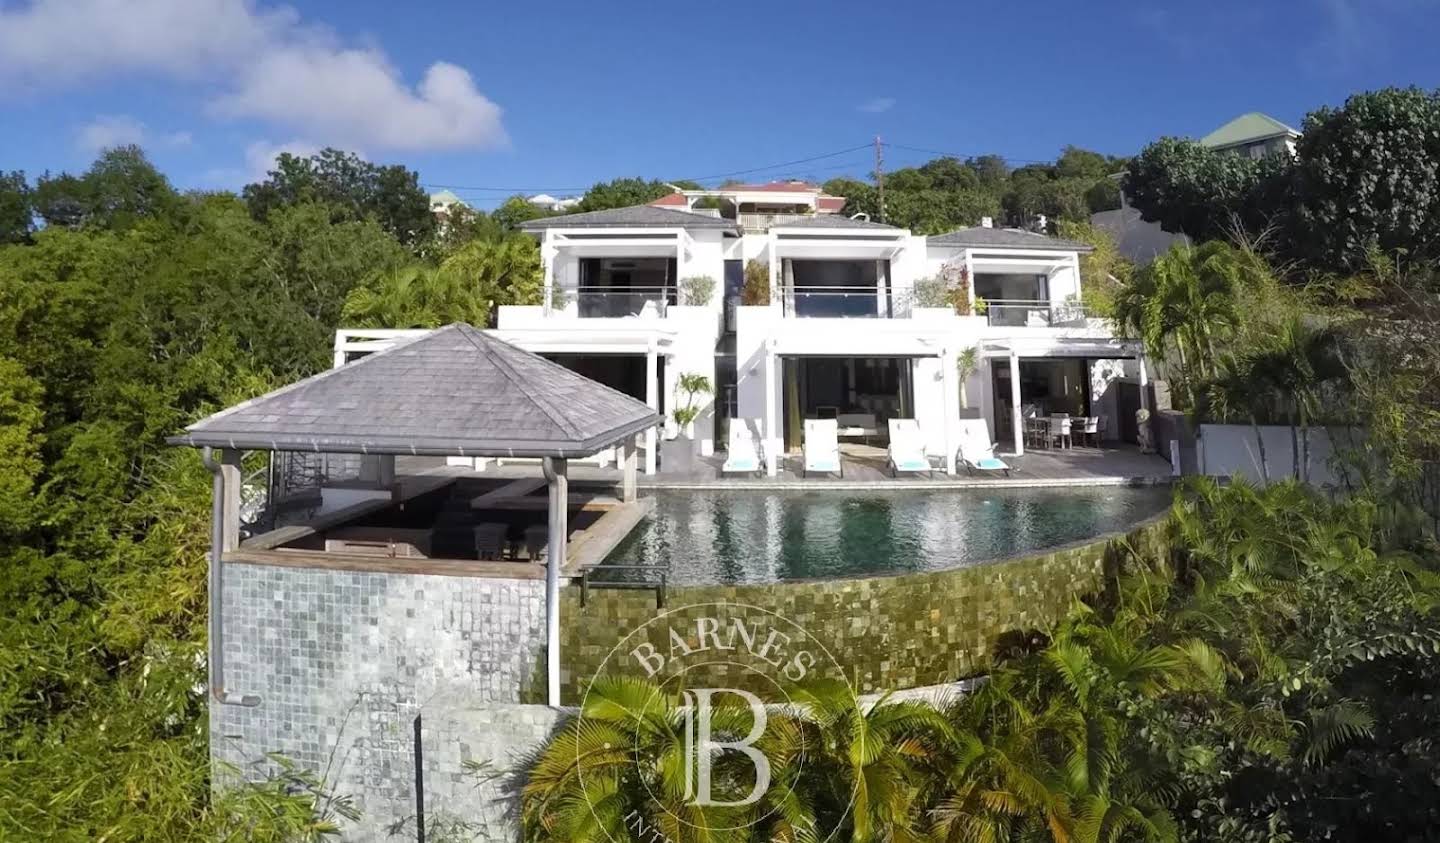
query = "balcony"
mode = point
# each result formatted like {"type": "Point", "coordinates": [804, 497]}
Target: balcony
{"type": "Point", "coordinates": [615, 302]}
{"type": "Point", "coordinates": [761, 223]}
{"type": "Point", "coordinates": [842, 302]}
{"type": "Point", "coordinates": [1026, 313]}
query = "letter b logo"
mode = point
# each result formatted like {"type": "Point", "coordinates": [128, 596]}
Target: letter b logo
{"type": "Point", "coordinates": [701, 747]}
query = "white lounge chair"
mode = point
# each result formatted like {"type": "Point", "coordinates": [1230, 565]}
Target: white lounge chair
{"type": "Point", "coordinates": [977, 452]}
{"type": "Point", "coordinates": [743, 454]}
{"type": "Point", "coordinates": [822, 447]}
{"type": "Point", "coordinates": [907, 448]}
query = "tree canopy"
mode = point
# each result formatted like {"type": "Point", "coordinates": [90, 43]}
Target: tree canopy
{"type": "Point", "coordinates": [1364, 176]}
{"type": "Point", "coordinates": [351, 186]}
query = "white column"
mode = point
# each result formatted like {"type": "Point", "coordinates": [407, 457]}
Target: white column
{"type": "Point", "coordinates": [547, 263]}
{"type": "Point", "coordinates": [1144, 383]}
{"type": "Point", "coordinates": [652, 399]}
{"type": "Point", "coordinates": [950, 406]}
{"type": "Point", "coordinates": [627, 481]}
{"type": "Point", "coordinates": [772, 432]}
{"type": "Point", "coordinates": [385, 471]}
{"type": "Point", "coordinates": [339, 359]}
{"type": "Point", "coordinates": [556, 473]}
{"type": "Point", "coordinates": [1017, 422]}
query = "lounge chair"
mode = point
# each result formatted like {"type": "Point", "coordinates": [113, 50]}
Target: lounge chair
{"type": "Point", "coordinates": [822, 447]}
{"type": "Point", "coordinates": [977, 452]}
{"type": "Point", "coordinates": [907, 448]}
{"type": "Point", "coordinates": [743, 454]}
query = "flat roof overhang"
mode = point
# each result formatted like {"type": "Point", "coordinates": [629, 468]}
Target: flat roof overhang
{"type": "Point", "coordinates": [1062, 347]}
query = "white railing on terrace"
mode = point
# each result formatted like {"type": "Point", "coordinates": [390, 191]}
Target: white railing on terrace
{"type": "Point", "coordinates": [764, 222]}
{"type": "Point", "coordinates": [1027, 313]}
{"type": "Point", "coordinates": [606, 302]}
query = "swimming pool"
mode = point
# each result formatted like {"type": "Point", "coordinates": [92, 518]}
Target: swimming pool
{"type": "Point", "coordinates": [710, 537]}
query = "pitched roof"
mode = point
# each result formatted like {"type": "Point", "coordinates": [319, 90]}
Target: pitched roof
{"type": "Point", "coordinates": [1005, 238]}
{"type": "Point", "coordinates": [833, 221]}
{"type": "Point", "coordinates": [455, 391]}
{"type": "Point", "coordinates": [672, 199]}
{"type": "Point", "coordinates": [635, 216]}
{"type": "Point", "coordinates": [1247, 128]}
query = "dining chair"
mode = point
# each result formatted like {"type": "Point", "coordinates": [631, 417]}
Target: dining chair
{"type": "Point", "coordinates": [1060, 429]}
{"type": "Point", "coordinates": [1092, 431]}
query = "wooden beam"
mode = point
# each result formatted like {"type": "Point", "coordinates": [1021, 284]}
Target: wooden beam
{"type": "Point", "coordinates": [320, 560]}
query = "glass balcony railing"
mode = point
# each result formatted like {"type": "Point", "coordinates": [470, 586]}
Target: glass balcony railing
{"type": "Point", "coordinates": [1025, 313]}
{"type": "Point", "coordinates": [839, 303]}
{"type": "Point", "coordinates": [607, 302]}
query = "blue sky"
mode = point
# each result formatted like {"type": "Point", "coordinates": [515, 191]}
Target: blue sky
{"type": "Point", "coordinates": [554, 96]}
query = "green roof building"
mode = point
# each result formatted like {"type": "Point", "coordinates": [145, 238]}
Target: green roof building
{"type": "Point", "coordinates": [1253, 135]}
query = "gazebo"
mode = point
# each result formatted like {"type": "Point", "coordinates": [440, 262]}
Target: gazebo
{"type": "Point", "coordinates": [454, 391]}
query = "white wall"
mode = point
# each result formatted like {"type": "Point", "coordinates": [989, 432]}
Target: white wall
{"type": "Point", "coordinates": [1224, 450]}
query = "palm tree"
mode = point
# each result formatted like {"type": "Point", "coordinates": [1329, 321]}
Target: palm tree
{"type": "Point", "coordinates": [1240, 390]}
{"type": "Point", "coordinates": [622, 762]}
{"type": "Point", "coordinates": [1183, 302]}
{"type": "Point", "coordinates": [877, 755]}
{"type": "Point", "coordinates": [1298, 362]}
{"type": "Point", "coordinates": [966, 362]}
{"type": "Point", "coordinates": [501, 271]}
{"type": "Point", "coordinates": [413, 297]}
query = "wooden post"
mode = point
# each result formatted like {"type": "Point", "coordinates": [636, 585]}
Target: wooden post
{"type": "Point", "coordinates": [230, 470]}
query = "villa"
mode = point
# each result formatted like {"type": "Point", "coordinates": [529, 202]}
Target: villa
{"type": "Point", "coordinates": [861, 321]}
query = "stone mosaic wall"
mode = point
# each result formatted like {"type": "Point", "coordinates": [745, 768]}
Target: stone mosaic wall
{"type": "Point", "coordinates": [343, 661]}
{"type": "Point", "coordinates": [890, 632]}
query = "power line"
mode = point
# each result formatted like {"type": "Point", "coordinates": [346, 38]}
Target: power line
{"type": "Point", "coordinates": [797, 161]}
{"type": "Point", "coordinates": [963, 155]}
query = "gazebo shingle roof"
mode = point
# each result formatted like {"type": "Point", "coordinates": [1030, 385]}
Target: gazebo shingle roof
{"type": "Point", "coordinates": [455, 391]}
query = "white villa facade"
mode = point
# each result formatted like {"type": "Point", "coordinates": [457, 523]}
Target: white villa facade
{"type": "Point", "coordinates": [850, 326]}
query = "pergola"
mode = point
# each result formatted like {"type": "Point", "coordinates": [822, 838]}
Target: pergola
{"type": "Point", "coordinates": [1012, 349]}
{"type": "Point", "coordinates": [454, 391]}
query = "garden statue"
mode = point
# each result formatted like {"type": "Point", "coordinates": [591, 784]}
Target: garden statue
{"type": "Point", "coordinates": [1143, 434]}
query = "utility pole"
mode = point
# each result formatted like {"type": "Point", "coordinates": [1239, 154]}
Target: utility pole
{"type": "Point", "coordinates": [880, 175]}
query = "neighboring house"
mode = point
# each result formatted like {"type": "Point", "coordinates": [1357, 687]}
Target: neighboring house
{"type": "Point", "coordinates": [757, 207]}
{"type": "Point", "coordinates": [1253, 135]}
{"type": "Point", "coordinates": [442, 202]}
{"type": "Point", "coordinates": [550, 203]}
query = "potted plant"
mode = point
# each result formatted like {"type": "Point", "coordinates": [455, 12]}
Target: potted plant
{"type": "Point", "coordinates": [756, 290]}
{"type": "Point", "coordinates": [696, 290]}
{"type": "Point", "coordinates": [678, 455]}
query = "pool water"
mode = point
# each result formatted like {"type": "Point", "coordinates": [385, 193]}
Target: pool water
{"type": "Point", "coordinates": [710, 537]}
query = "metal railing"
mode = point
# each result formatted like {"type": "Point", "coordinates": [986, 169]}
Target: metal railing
{"type": "Point", "coordinates": [1027, 313]}
{"type": "Point", "coordinates": [606, 302]}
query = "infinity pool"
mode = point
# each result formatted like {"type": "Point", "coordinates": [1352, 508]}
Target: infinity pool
{"type": "Point", "coordinates": [708, 537]}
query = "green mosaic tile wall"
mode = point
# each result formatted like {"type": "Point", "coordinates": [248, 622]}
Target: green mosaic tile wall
{"type": "Point", "coordinates": [890, 632]}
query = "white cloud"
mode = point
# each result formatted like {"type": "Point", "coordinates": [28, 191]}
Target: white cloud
{"type": "Point", "coordinates": [111, 130]}
{"type": "Point", "coordinates": [879, 105]}
{"type": "Point", "coordinates": [354, 97]}
{"type": "Point", "coordinates": [257, 63]}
